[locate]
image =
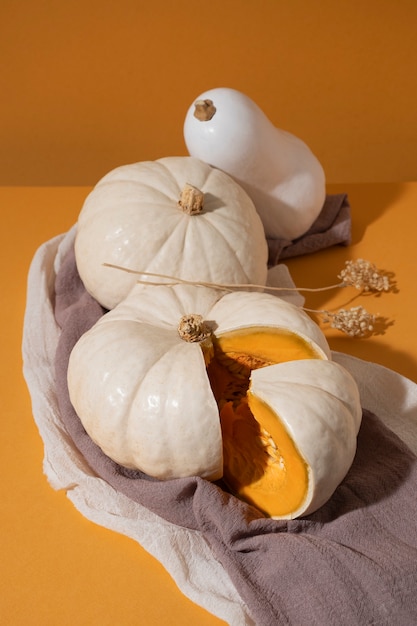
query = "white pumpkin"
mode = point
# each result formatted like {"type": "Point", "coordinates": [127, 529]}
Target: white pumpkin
{"type": "Point", "coordinates": [176, 216]}
{"type": "Point", "coordinates": [180, 381]}
{"type": "Point", "coordinates": [285, 180]}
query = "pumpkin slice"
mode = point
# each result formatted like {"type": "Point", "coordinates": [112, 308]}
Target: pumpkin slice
{"type": "Point", "coordinates": [290, 438]}
{"type": "Point", "coordinates": [274, 479]}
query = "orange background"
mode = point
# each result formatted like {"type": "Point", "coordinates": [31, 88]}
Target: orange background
{"type": "Point", "coordinates": [89, 85]}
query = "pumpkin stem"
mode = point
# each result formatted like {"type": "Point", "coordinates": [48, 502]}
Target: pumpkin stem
{"type": "Point", "coordinates": [204, 110]}
{"type": "Point", "coordinates": [191, 200]}
{"type": "Point", "coordinates": [193, 328]}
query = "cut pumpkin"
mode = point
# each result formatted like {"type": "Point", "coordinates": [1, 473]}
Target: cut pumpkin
{"type": "Point", "coordinates": [181, 381]}
{"type": "Point", "coordinates": [261, 462]}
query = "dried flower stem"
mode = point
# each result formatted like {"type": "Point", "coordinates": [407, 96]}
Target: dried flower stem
{"type": "Point", "coordinates": [360, 274]}
{"type": "Point", "coordinates": [175, 280]}
{"type": "Point", "coordinates": [355, 322]}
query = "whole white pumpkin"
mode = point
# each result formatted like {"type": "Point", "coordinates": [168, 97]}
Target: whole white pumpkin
{"type": "Point", "coordinates": [285, 180]}
{"type": "Point", "coordinates": [175, 216]}
{"type": "Point", "coordinates": [180, 381]}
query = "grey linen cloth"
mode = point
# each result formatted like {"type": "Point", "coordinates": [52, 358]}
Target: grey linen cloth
{"type": "Point", "coordinates": [352, 562]}
{"type": "Point", "coordinates": [332, 227]}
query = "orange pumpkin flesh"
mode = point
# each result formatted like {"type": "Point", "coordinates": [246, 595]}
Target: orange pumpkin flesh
{"type": "Point", "coordinates": [271, 476]}
{"type": "Point", "coordinates": [262, 464]}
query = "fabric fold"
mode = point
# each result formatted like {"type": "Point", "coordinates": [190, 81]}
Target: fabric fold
{"type": "Point", "coordinates": [332, 227]}
{"type": "Point", "coordinates": [354, 561]}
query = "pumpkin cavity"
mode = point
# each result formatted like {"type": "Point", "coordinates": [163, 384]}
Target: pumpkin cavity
{"type": "Point", "coordinates": [262, 464]}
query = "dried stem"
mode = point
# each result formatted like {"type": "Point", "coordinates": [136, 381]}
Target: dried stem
{"type": "Point", "coordinates": [191, 200]}
{"type": "Point", "coordinates": [204, 110]}
{"type": "Point", "coordinates": [193, 328]}
{"type": "Point", "coordinates": [175, 280]}
{"type": "Point", "coordinates": [355, 322]}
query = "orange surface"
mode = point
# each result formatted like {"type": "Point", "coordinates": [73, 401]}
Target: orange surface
{"type": "Point", "coordinates": [88, 85]}
{"type": "Point", "coordinates": [384, 222]}
{"type": "Point", "coordinates": [58, 567]}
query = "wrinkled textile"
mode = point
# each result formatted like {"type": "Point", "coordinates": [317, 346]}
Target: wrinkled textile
{"type": "Point", "coordinates": [332, 227]}
{"type": "Point", "coordinates": [352, 562]}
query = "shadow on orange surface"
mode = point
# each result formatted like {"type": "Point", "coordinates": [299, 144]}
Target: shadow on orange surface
{"type": "Point", "coordinates": [368, 203]}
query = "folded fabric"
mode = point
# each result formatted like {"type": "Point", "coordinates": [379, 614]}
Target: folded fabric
{"type": "Point", "coordinates": [352, 562]}
{"type": "Point", "coordinates": [332, 227]}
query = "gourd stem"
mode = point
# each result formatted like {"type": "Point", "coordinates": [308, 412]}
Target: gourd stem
{"type": "Point", "coordinates": [204, 110]}
{"type": "Point", "coordinates": [191, 200]}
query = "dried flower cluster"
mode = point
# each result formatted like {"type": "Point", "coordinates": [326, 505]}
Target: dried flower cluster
{"type": "Point", "coordinates": [355, 322]}
{"type": "Point", "coordinates": [364, 276]}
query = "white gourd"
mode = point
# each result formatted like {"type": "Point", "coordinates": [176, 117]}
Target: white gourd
{"type": "Point", "coordinates": [285, 180]}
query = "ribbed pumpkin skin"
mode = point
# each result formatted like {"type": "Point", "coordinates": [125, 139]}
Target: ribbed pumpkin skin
{"type": "Point", "coordinates": [132, 219]}
{"type": "Point", "coordinates": [144, 394]}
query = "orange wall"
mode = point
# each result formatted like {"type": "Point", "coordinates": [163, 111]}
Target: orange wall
{"type": "Point", "coordinates": [89, 85]}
